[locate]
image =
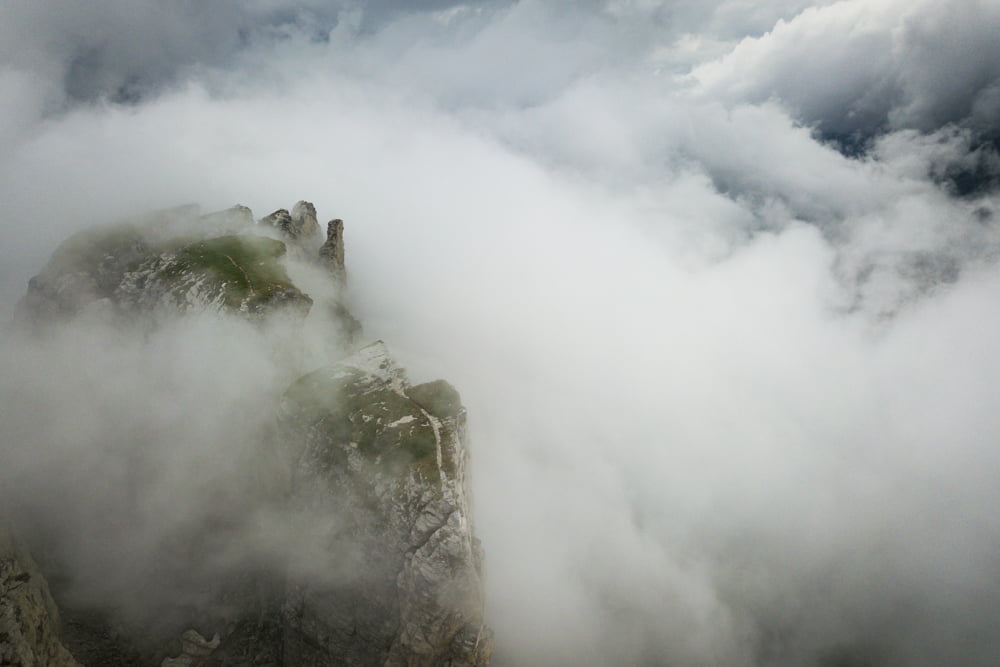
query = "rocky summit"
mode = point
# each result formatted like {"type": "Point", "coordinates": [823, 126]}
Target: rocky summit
{"type": "Point", "coordinates": [374, 466]}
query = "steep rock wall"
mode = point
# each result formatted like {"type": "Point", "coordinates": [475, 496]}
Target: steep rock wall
{"type": "Point", "coordinates": [29, 620]}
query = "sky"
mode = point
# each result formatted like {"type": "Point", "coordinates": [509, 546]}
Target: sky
{"type": "Point", "coordinates": [717, 282]}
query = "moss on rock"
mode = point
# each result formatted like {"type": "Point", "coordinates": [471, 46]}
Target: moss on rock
{"type": "Point", "coordinates": [438, 398]}
{"type": "Point", "coordinates": [386, 427]}
{"type": "Point", "coordinates": [86, 251]}
{"type": "Point", "coordinates": [133, 267]}
{"type": "Point", "coordinates": [243, 269]}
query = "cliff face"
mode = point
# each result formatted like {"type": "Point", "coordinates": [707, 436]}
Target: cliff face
{"type": "Point", "coordinates": [393, 455]}
{"type": "Point", "coordinates": [395, 574]}
{"type": "Point", "coordinates": [29, 620]}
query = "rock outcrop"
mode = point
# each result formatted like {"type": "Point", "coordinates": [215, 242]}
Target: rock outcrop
{"type": "Point", "coordinates": [129, 269]}
{"type": "Point", "coordinates": [195, 650]}
{"type": "Point", "coordinates": [391, 459]}
{"type": "Point", "coordinates": [304, 218]}
{"type": "Point", "coordinates": [29, 620]}
{"type": "Point", "coordinates": [300, 225]}
{"type": "Point", "coordinates": [331, 253]}
{"type": "Point", "coordinates": [395, 574]}
{"type": "Point", "coordinates": [282, 221]}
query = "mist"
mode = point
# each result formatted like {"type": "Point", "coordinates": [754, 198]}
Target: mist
{"type": "Point", "coordinates": [717, 284]}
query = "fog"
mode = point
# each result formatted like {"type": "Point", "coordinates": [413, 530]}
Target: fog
{"type": "Point", "coordinates": [716, 281]}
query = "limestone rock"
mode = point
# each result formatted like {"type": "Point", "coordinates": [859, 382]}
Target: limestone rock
{"type": "Point", "coordinates": [304, 219]}
{"type": "Point", "coordinates": [331, 254]}
{"type": "Point", "coordinates": [85, 269]}
{"type": "Point", "coordinates": [194, 650]}
{"type": "Point", "coordinates": [391, 459]}
{"type": "Point", "coordinates": [29, 621]}
{"type": "Point", "coordinates": [395, 572]}
{"type": "Point", "coordinates": [300, 225]}
{"type": "Point", "coordinates": [282, 221]}
{"type": "Point", "coordinates": [237, 273]}
{"type": "Point", "coordinates": [127, 269]}
{"type": "Point", "coordinates": [235, 220]}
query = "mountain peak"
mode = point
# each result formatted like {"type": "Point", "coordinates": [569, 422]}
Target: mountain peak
{"type": "Point", "coordinates": [375, 560]}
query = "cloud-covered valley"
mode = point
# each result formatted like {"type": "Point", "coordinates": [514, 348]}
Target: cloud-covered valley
{"type": "Point", "coordinates": [717, 282]}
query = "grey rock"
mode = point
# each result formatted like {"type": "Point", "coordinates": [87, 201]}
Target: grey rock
{"type": "Point", "coordinates": [127, 270]}
{"type": "Point", "coordinates": [395, 579]}
{"type": "Point", "coordinates": [29, 620]}
{"type": "Point", "coordinates": [300, 225]}
{"type": "Point", "coordinates": [304, 219]}
{"type": "Point", "coordinates": [331, 254]}
{"type": "Point", "coordinates": [83, 270]}
{"type": "Point", "coordinates": [282, 221]}
{"type": "Point", "coordinates": [194, 650]}
{"type": "Point", "coordinates": [392, 458]}
{"type": "Point", "coordinates": [233, 220]}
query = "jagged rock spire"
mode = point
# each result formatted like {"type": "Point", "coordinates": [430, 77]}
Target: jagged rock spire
{"type": "Point", "coordinates": [304, 219]}
{"type": "Point", "coordinates": [282, 221]}
{"type": "Point", "coordinates": [300, 224]}
{"type": "Point", "coordinates": [332, 252]}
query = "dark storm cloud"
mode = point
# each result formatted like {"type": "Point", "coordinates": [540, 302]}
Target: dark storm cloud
{"type": "Point", "coordinates": [124, 49]}
{"type": "Point", "coordinates": [115, 48]}
{"type": "Point", "coordinates": [859, 69]}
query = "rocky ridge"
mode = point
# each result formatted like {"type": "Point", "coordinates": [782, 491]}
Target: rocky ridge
{"type": "Point", "coordinates": [358, 441]}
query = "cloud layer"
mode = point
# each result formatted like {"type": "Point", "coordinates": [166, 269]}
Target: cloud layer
{"type": "Point", "coordinates": [731, 387]}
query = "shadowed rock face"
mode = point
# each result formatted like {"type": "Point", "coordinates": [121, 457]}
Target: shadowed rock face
{"type": "Point", "coordinates": [300, 225]}
{"type": "Point", "coordinates": [282, 221]}
{"type": "Point", "coordinates": [304, 217]}
{"type": "Point", "coordinates": [29, 621]}
{"type": "Point", "coordinates": [332, 251]}
{"type": "Point", "coordinates": [394, 579]}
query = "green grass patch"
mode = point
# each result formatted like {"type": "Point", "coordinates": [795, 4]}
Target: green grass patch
{"type": "Point", "coordinates": [244, 268]}
{"type": "Point", "coordinates": [386, 426]}
{"type": "Point", "coordinates": [438, 398]}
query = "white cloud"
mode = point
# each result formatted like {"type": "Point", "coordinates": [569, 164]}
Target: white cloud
{"type": "Point", "coordinates": [730, 392]}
